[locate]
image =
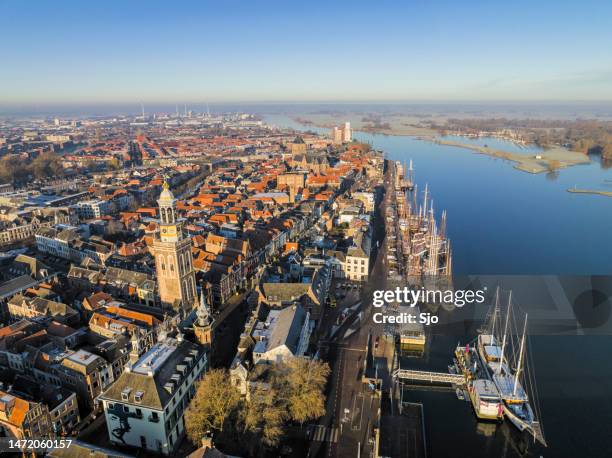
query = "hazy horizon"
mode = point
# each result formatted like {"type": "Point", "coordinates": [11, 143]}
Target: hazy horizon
{"type": "Point", "coordinates": [515, 109]}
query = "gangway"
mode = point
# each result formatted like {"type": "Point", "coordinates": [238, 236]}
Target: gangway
{"type": "Point", "coordinates": [426, 376]}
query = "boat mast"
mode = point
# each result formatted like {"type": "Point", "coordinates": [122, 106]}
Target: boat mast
{"type": "Point", "coordinates": [494, 315]}
{"type": "Point", "coordinates": [501, 359]}
{"type": "Point", "coordinates": [520, 362]}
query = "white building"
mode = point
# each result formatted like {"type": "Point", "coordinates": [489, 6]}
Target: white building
{"type": "Point", "coordinates": [283, 335]}
{"type": "Point", "coordinates": [89, 209]}
{"type": "Point", "coordinates": [347, 134]}
{"type": "Point", "coordinates": [144, 408]}
{"type": "Point", "coordinates": [336, 135]}
{"type": "Point", "coordinates": [348, 214]}
{"type": "Point", "coordinates": [357, 260]}
{"type": "Point", "coordinates": [55, 242]}
{"type": "Point", "coordinates": [342, 134]}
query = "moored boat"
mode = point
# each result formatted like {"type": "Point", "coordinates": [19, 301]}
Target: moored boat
{"type": "Point", "coordinates": [483, 393]}
{"type": "Point", "coordinates": [486, 400]}
{"type": "Point", "coordinates": [517, 404]}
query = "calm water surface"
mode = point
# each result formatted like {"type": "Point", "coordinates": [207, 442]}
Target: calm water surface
{"type": "Point", "coordinates": [504, 221]}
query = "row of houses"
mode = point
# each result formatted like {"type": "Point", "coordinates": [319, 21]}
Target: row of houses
{"type": "Point", "coordinates": [15, 227]}
{"type": "Point", "coordinates": [73, 244]}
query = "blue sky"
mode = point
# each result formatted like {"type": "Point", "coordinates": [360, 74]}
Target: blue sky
{"type": "Point", "coordinates": [415, 50]}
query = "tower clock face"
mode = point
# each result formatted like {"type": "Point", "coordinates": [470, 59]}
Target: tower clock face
{"type": "Point", "coordinates": [169, 231]}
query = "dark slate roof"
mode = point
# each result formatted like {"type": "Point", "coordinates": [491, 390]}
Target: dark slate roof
{"type": "Point", "coordinates": [288, 327]}
{"type": "Point", "coordinates": [115, 274]}
{"type": "Point", "coordinates": [16, 285]}
{"type": "Point", "coordinates": [154, 395]}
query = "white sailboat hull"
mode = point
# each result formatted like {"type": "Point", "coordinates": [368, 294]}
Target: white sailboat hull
{"type": "Point", "coordinates": [520, 424]}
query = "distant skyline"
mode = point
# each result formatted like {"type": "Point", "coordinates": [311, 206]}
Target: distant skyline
{"type": "Point", "coordinates": [160, 52]}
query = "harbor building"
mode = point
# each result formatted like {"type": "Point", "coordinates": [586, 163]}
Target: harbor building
{"type": "Point", "coordinates": [342, 134]}
{"type": "Point", "coordinates": [411, 335]}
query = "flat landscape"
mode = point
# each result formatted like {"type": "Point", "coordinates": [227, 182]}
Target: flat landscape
{"type": "Point", "coordinates": [550, 159]}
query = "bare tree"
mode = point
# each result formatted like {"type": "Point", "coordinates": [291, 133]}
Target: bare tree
{"type": "Point", "coordinates": [264, 415]}
{"type": "Point", "coordinates": [305, 381]}
{"type": "Point", "coordinates": [214, 401]}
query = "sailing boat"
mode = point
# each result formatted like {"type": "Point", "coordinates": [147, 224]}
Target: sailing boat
{"type": "Point", "coordinates": [488, 349]}
{"type": "Point", "coordinates": [517, 404]}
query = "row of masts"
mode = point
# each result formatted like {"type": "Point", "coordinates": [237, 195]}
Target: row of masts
{"type": "Point", "coordinates": [522, 374]}
{"type": "Point", "coordinates": [519, 367]}
{"type": "Point", "coordinates": [425, 246]}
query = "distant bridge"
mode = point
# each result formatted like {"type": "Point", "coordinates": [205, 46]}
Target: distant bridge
{"type": "Point", "coordinates": [432, 377]}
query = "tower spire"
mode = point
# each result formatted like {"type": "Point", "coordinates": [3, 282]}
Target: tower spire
{"type": "Point", "coordinates": [135, 350]}
{"type": "Point", "coordinates": [203, 313]}
{"type": "Point", "coordinates": [203, 324]}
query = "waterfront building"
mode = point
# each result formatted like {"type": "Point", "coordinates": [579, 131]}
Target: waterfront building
{"type": "Point", "coordinates": [342, 134]}
{"type": "Point", "coordinates": [347, 134]}
{"type": "Point", "coordinates": [336, 135]}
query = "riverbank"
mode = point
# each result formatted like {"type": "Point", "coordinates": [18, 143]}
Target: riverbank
{"type": "Point", "coordinates": [590, 191]}
{"type": "Point", "coordinates": [400, 125]}
{"type": "Point", "coordinates": [549, 160]}
{"type": "Point", "coordinates": [546, 161]}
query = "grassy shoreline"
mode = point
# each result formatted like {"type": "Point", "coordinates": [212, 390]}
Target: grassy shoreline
{"type": "Point", "coordinates": [549, 160]}
{"type": "Point", "coordinates": [546, 161]}
{"type": "Point", "coordinates": [590, 191]}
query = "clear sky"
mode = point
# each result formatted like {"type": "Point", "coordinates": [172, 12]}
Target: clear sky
{"type": "Point", "coordinates": [224, 51]}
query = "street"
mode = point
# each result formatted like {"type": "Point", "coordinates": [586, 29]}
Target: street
{"type": "Point", "coordinates": [352, 405]}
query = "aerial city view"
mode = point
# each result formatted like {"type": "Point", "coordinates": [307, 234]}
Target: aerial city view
{"type": "Point", "coordinates": [308, 230]}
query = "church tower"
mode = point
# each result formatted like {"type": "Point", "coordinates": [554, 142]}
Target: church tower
{"type": "Point", "coordinates": [202, 326]}
{"type": "Point", "coordinates": [136, 349]}
{"type": "Point", "coordinates": [173, 258]}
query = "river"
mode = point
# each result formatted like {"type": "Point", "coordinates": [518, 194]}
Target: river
{"type": "Point", "coordinates": [505, 221]}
